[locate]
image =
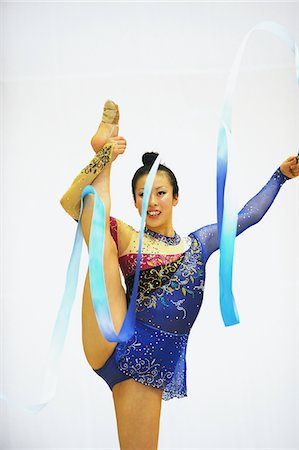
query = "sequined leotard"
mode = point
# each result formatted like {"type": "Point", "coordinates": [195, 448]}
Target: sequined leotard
{"type": "Point", "coordinates": [170, 295]}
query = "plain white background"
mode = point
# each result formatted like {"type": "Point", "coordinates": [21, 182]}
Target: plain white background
{"type": "Point", "coordinates": [166, 65]}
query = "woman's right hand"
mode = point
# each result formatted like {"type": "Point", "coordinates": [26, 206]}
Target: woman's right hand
{"type": "Point", "coordinates": [120, 145]}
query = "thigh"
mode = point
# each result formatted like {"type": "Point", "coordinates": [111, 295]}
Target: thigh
{"type": "Point", "coordinates": [96, 348]}
{"type": "Point", "coordinates": [138, 409]}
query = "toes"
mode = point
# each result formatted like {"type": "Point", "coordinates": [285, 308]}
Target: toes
{"type": "Point", "coordinates": [109, 104]}
{"type": "Point", "coordinates": [111, 113]}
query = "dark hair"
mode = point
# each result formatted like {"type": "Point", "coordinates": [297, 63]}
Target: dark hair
{"type": "Point", "coordinates": [148, 160]}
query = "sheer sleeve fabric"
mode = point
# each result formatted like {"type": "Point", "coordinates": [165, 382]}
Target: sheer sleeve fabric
{"type": "Point", "coordinates": [250, 214]}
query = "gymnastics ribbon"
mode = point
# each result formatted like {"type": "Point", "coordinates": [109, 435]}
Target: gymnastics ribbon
{"type": "Point", "coordinates": [227, 216]}
{"type": "Point", "coordinates": [98, 291]}
{"type": "Point", "coordinates": [96, 273]}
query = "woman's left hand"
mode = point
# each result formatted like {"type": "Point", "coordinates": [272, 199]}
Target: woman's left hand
{"type": "Point", "coordinates": [290, 167]}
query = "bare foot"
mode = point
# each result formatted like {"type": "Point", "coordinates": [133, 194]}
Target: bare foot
{"type": "Point", "coordinates": [108, 127]}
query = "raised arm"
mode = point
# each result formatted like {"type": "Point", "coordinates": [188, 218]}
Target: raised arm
{"type": "Point", "coordinates": [253, 210]}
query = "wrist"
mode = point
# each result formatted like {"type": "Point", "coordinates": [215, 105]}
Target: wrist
{"type": "Point", "coordinates": [282, 178]}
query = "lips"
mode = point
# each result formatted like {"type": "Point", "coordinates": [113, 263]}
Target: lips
{"type": "Point", "coordinates": [153, 213]}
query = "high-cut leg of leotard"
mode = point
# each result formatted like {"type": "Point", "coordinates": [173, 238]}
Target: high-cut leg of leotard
{"type": "Point", "coordinates": [170, 295]}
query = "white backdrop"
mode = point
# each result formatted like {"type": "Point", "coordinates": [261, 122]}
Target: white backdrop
{"type": "Point", "coordinates": [166, 65]}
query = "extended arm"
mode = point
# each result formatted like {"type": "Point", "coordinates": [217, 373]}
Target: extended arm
{"type": "Point", "coordinates": [250, 214]}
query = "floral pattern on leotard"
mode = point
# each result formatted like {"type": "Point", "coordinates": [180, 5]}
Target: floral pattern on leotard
{"type": "Point", "coordinates": [155, 358]}
{"type": "Point", "coordinates": [148, 260]}
{"type": "Point", "coordinates": [154, 283]}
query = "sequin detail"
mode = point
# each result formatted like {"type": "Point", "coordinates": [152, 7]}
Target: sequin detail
{"type": "Point", "coordinates": [158, 284]}
{"type": "Point", "coordinates": [128, 262]}
{"type": "Point", "coordinates": [155, 358]}
{"type": "Point", "coordinates": [174, 240]}
{"type": "Point", "coordinates": [251, 213]}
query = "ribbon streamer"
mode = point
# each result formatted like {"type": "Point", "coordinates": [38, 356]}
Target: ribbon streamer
{"type": "Point", "coordinates": [96, 255]}
{"type": "Point", "coordinates": [227, 216]}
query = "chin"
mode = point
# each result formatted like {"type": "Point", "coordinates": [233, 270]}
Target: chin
{"type": "Point", "coordinates": [153, 223]}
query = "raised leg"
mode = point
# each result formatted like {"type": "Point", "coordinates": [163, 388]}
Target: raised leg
{"type": "Point", "coordinates": [97, 349]}
{"type": "Point", "coordinates": [137, 407]}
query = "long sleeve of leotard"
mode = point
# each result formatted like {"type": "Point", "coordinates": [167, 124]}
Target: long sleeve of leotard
{"type": "Point", "coordinates": [250, 214]}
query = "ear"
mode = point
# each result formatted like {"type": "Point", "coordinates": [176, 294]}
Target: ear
{"type": "Point", "coordinates": [175, 200]}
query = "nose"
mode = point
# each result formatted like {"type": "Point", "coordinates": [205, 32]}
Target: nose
{"type": "Point", "coordinates": [152, 200]}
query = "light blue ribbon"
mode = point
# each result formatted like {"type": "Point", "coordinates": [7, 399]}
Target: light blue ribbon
{"type": "Point", "coordinates": [227, 216]}
{"type": "Point", "coordinates": [96, 273]}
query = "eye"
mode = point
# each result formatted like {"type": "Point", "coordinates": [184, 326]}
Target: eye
{"type": "Point", "coordinates": [141, 194]}
{"type": "Point", "coordinates": [161, 193]}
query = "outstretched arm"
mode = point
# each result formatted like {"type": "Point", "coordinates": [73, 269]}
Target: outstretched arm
{"type": "Point", "coordinates": [253, 210]}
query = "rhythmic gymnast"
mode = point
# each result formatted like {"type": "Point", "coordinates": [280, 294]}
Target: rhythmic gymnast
{"type": "Point", "coordinates": [151, 366]}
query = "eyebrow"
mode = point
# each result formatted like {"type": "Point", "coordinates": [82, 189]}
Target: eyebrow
{"type": "Point", "coordinates": [160, 187]}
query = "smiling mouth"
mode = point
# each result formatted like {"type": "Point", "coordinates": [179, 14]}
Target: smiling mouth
{"type": "Point", "coordinates": [153, 213]}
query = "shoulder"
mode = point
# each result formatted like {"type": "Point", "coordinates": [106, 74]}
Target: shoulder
{"type": "Point", "coordinates": [122, 233]}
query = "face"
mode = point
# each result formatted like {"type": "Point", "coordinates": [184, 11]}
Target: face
{"type": "Point", "coordinates": [161, 201]}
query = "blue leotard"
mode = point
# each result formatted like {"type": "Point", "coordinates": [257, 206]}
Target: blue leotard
{"type": "Point", "coordinates": [171, 287]}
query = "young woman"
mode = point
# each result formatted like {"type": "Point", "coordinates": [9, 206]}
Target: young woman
{"type": "Point", "coordinates": [151, 366]}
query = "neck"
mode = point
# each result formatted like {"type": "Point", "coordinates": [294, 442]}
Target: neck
{"type": "Point", "coordinates": [166, 230]}
{"type": "Point", "coordinates": [170, 239]}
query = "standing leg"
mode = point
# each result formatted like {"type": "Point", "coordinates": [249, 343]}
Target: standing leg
{"type": "Point", "coordinates": [138, 409]}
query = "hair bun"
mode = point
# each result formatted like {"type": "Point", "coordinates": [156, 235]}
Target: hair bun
{"type": "Point", "coordinates": [149, 158]}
